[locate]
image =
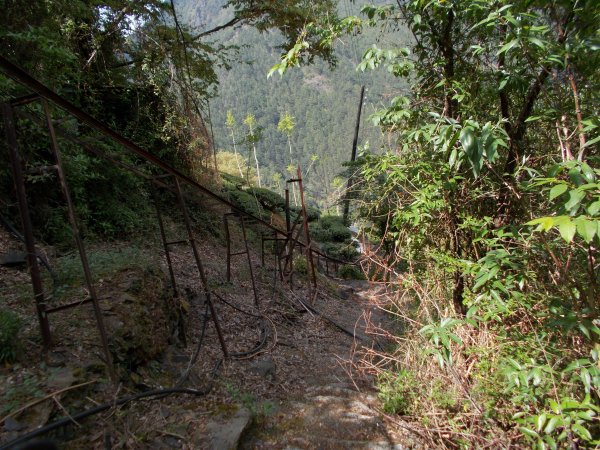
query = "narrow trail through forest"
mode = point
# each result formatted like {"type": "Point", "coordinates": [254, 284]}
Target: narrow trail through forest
{"type": "Point", "coordinates": [300, 391]}
{"type": "Point", "coordinates": [339, 408]}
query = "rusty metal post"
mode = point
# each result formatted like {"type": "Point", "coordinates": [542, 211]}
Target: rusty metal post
{"type": "Point", "coordinates": [228, 239]}
{"type": "Point", "coordinates": [79, 242]}
{"type": "Point", "coordinates": [19, 181]}
{"type": "Point", "coordinates": [192, 241]}
{"type": "Point", "coordinates": [289, 248]}
{"type": "Point", "coordinates": [287, 211]}
{"type": "Point", "coordinates": [163, 237]}
{"type": "Point", "coordinates": [353, 157]}
{"type": "Point", "coordinates": [309, 255]}
{"type": "Point", "coordinates": [246, 251]}
{"type": "Point", "coordinates": [256, 301]}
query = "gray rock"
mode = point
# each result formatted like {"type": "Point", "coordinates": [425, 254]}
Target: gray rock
{"type": "Point", "coordinates": [11, 424]}
{"type": "Point", "coordinates": [346, 293]}
{"type": "Point", "coordinates": [226, 435]}
{"type": "Point", "coordinates": [13, 258]}
{"type": "Point", "coordinates": [172, 442]}
{"type": "Point", "coordinates": [60, 378]}
{"type": "Point", "coordinates": [265, 368]}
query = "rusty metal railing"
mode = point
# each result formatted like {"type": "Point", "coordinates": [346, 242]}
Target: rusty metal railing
{"type": "Point", "coordinates": [46, 96]}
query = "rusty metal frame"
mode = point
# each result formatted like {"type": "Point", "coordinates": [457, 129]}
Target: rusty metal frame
{"type": "Point", "coordinates": [292, 240]}
{"type": "Point", "coordinates": [19, 179]}
{"type": "Point", "coordinates": [41, 91]}
{"type": "Point", "coordinates": [191, 241]}
{"type": "Point", "coordinates": [20, 76]}
{"type": "Point", "coordinates": [309, 253]}
{"type": "Point", "coordinates": [246, 251]}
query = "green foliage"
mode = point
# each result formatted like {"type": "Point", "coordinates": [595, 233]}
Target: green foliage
{"type": "Point", "coordinates": [286, 124]}
{"type": "Point", "coordinates": [300, 265]}
{"type": "Point", "coordinates": [441, 337]}
{"type": "Point", "coordinates": [247, 202]}
{"type": "Point", "coordinates": [232, 181]}
{"type": "Point", "coordinates": [16, 394]}
{"type": "Point", "coordinates": [322, 103]}
{"type": "Point", "coordinates": [267, 198]}
{"type": "Point", "coordinates": [259, 411]}
{"type": "Point", "coordinates": [567, 420]}
{"type": "Point", "coordinates": [235, 169]}
{"type": "Point", "coordinates": [334, 237]}
{"type": "Point", "coordinates": [104, 264]}
{"type": "Point", "coordinates": [137, 66]}
{"type": "Point", "coordinates": [344, 252]}
{"type": "Point", "coordinates": [350, 272]}
{"type": "Point", "coordinates": [331, 229]}
{"type": "Point", "coordinates": [313, 213]}
{"type": "Point", "coordinates": [500, 260]}
{"type": "Point", "coordinates": [399, 392]}
{"type": "Point", "coordinates": [576, 198]}
{"type": "Point", "coordinates": [10, 325]}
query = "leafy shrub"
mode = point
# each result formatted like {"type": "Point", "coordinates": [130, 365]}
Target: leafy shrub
{"type": "Point", "coordinates": [269, 199]}
{"type": "Point", "coordinates": [246, 202]}
{"type": "Point", "coordinates": [331, 229]}
{"type": "Point", "coordinates": [312, 213]}
{"type": "Point", "coordinates": [336, 250]}
{"type": "Point", "coordinates": [300, 265]}
{"type": "Point", "coordinates": [350, 272]}
{"type": "Point", "coordinates": [398, 392]}
{"type": "Point", "coordinates": [10, 325]}
{"type": "Point", "coordinates": [231, 181]}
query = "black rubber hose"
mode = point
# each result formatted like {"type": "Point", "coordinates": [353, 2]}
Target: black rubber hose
{"type": "Point", "coordinates": [158, 393]}
{"type": "Point", "coordinates": [337, 325]}
{"type": "Point", "coordinates": [263, 333]}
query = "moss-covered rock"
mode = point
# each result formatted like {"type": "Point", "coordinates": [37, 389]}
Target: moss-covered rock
{"type": "Point", "coordinates": [141, 318]}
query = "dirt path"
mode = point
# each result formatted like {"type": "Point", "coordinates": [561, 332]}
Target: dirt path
{"type": "Point", "coordinates": [299, 391]}
{"type": "Point", "coordinates": [338, 409]}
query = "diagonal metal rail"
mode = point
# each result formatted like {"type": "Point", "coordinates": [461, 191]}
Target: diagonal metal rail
{"type": "Point", "coordinates": [20, 76]}
{"type": "Point", "coordinates": [27, 80]}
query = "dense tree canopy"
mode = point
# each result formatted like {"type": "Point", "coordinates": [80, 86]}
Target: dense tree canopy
{"type": "Point", "coordinates": [138, 67]}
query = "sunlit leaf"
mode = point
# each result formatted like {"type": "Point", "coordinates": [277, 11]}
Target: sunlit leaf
{"type": "Point", "coordinates": [575, 198]}
{"type": "Point", "coordinates": [566, 228]}
{"type": "Point", "coordinates": [558, 190]}
{"type": "Point", "coordinates": [586, 228]}
{"type": "Point", "coordinates": [582, 431]}
{"type": "Point", "coordinates": [551, 425]}
{"type": "Point", "coordinates": [529, 432]}
{"type": "Point", "coordinates": [509, 45]}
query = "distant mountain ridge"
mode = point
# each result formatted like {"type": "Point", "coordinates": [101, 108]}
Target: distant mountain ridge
{"type": "Point", "coordinates": [324, 103]}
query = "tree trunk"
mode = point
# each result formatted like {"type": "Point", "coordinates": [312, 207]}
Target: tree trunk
{"type": "Point", "coordinates": [446, 44]}
{"type": "Point", "coordinates": [237, 161]}
{"type": "Point", "coordinates": [292, 163]}
{"type": "Point", "coordinates": [257, 169]}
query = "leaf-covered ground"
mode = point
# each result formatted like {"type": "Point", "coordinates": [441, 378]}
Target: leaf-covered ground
{"type": "Point", "coordinates": [300, 388]}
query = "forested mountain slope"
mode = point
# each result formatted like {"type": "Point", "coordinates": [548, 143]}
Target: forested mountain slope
{"type": "Point", "coordinates": [323, 102]}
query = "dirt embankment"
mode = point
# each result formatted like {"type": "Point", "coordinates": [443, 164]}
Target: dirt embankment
{"type": "Point", "coordinates": [297, 388]}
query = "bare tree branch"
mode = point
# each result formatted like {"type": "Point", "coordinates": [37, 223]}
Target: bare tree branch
{"type": "Point", "coordinates": [231, 23]}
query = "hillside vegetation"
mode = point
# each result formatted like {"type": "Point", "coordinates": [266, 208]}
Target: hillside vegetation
{"type": "Point", "coordinates": [486, 215]}
{"type": "Point", "coordinates": [323, 101]}
{"type": "Point", "coordinates": [477, 199]}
